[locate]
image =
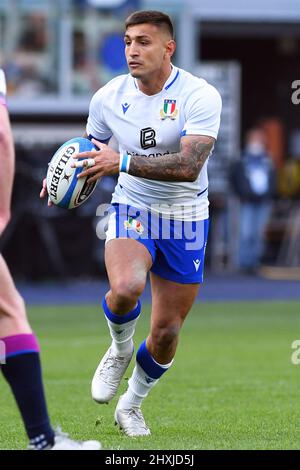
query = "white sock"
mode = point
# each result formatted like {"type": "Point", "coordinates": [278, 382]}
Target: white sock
{"type": "Point", "coordinates": [139, 385]}
{"type": "Point", "coordinates": [122, 343]}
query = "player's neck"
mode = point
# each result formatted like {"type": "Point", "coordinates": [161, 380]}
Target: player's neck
{"type": "Point", "coordinates": [154, 83]}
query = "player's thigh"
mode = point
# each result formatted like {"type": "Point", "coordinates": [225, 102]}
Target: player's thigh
{"type": "Point", "coordinates": [127, 262]}
{"type": "Point", "coordinates": [11, 302]}
{"type": "Point", "coordinates": [171, 301]}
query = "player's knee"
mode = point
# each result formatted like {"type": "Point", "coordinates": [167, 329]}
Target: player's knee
{"type": "Point", "coordinates": [127, 292]}
{"type": "Point", "coordinates": [165, 336]}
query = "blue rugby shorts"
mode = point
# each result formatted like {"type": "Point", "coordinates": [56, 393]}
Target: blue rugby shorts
{"type": "Point", "coordinates": [177, 247]}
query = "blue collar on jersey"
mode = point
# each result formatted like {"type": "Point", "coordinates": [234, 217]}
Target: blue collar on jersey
{"type": "Point", "coordinates": [166, 87]}
{"type": "Point", "coordinates": [170, 84]}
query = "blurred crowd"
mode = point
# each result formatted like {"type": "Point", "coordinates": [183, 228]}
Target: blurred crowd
{"type": "Point", "coordinates": [31, 54]}
{"type": "Point", "coordinates": [254, 181]}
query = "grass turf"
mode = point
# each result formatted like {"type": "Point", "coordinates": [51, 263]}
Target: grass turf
{"type": "Point", "coordinates": [232, 385]}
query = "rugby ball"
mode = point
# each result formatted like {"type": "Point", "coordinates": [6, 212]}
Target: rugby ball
{"type": "Point", "coordinates": [64, 188]}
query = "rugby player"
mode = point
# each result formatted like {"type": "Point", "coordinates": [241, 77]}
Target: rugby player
{"type": "Point", "coordinates": [165, 121]}
{"type": "Point", "coordinates": [19, 349]}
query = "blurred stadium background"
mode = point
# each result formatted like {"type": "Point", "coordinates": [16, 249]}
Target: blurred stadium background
{"type": "Point", "coordinates": [56, 53]}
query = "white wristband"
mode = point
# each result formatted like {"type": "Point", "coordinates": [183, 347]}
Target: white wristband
{"type": "Point", "coordinates": [2, 83]}
{"type": "Point", "coordinates": [124, 162]}
{"type": "Point", "coordinates": [2, 88]}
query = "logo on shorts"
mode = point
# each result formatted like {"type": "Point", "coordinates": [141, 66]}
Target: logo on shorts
{"type": "Point", "coordinates": [197, 263]}
{"type": "Point", "coordinates": [134, 224]}
{"type": "Point", "coordinates": [169, 110]}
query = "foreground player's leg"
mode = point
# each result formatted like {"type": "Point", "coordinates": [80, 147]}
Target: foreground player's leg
{"type": "Point", "coordinates": [127, 263]}
{"type": "Point", "coordinates": [145, 375]}
{"type": "Point", "coordinates": [114, 363]}
{"type": "Point", "coordinates": [22, 371]}
{"type": "Point", "coordinates": [171, 303]}
{"type": "Point", "coordinates": [21, 368]}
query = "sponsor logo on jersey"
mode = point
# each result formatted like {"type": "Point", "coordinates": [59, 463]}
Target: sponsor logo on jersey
{"type": "Point", "coordinates": [154, 155]}
{"type": "Point", "coordinates": [133, 224]}
{"type": "Point", "coordinates": [169, 110]}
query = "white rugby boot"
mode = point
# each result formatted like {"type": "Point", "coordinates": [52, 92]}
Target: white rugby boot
{"type": "Point", "coordinates": [108, 376]}
{"type": "Point", "coordinates": [62, 441]}
{"type": "Point", "coordinates": [131, 421]}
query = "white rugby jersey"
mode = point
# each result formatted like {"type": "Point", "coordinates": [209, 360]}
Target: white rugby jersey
{"type": "Point", "coordinates": [151, 126]}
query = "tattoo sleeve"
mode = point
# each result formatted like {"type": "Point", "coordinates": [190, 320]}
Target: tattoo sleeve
{"type": "Point", "coordinates": [182, 166]}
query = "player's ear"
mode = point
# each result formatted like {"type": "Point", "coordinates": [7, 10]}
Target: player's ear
{"type": "Point", "coordinates": [171, 47]}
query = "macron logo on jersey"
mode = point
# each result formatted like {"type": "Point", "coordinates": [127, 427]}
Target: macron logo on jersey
{"type": "Point", "coordinates": [125, 107]}
{"type": "Point", "coordinates": [197, 263]}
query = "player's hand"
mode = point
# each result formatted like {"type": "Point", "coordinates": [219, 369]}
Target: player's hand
{"type": "Point", "coordinates": [97, 163]}
{"type": "Point", "coordinates": [44, 192]}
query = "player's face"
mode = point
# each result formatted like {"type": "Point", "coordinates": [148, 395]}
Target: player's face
{"type": "Point", "coordinates": [148, 49]}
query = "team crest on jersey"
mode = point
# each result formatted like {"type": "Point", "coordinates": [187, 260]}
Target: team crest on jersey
{"type": "Point", "coordinates": [169, 110]}
{"type": "Point", "coordinates": [134, 224]}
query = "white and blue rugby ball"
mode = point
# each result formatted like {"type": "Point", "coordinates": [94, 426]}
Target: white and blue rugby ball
{"type": "Point", "coordinates": [64, 188]}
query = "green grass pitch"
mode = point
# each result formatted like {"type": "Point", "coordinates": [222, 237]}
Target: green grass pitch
{"type": "Point", "coordinates": [232, 384]}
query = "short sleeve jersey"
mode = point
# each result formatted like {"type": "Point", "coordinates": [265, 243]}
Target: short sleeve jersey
{"type": "Point", "coordinates": [152, 126]}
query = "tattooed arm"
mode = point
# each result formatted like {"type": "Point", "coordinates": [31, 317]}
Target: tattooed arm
{"type": "Point", "coordinates": [182, 166]}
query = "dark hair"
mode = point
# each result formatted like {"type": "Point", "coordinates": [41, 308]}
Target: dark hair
{"type": "Point", "coordinates": [150, 16]}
